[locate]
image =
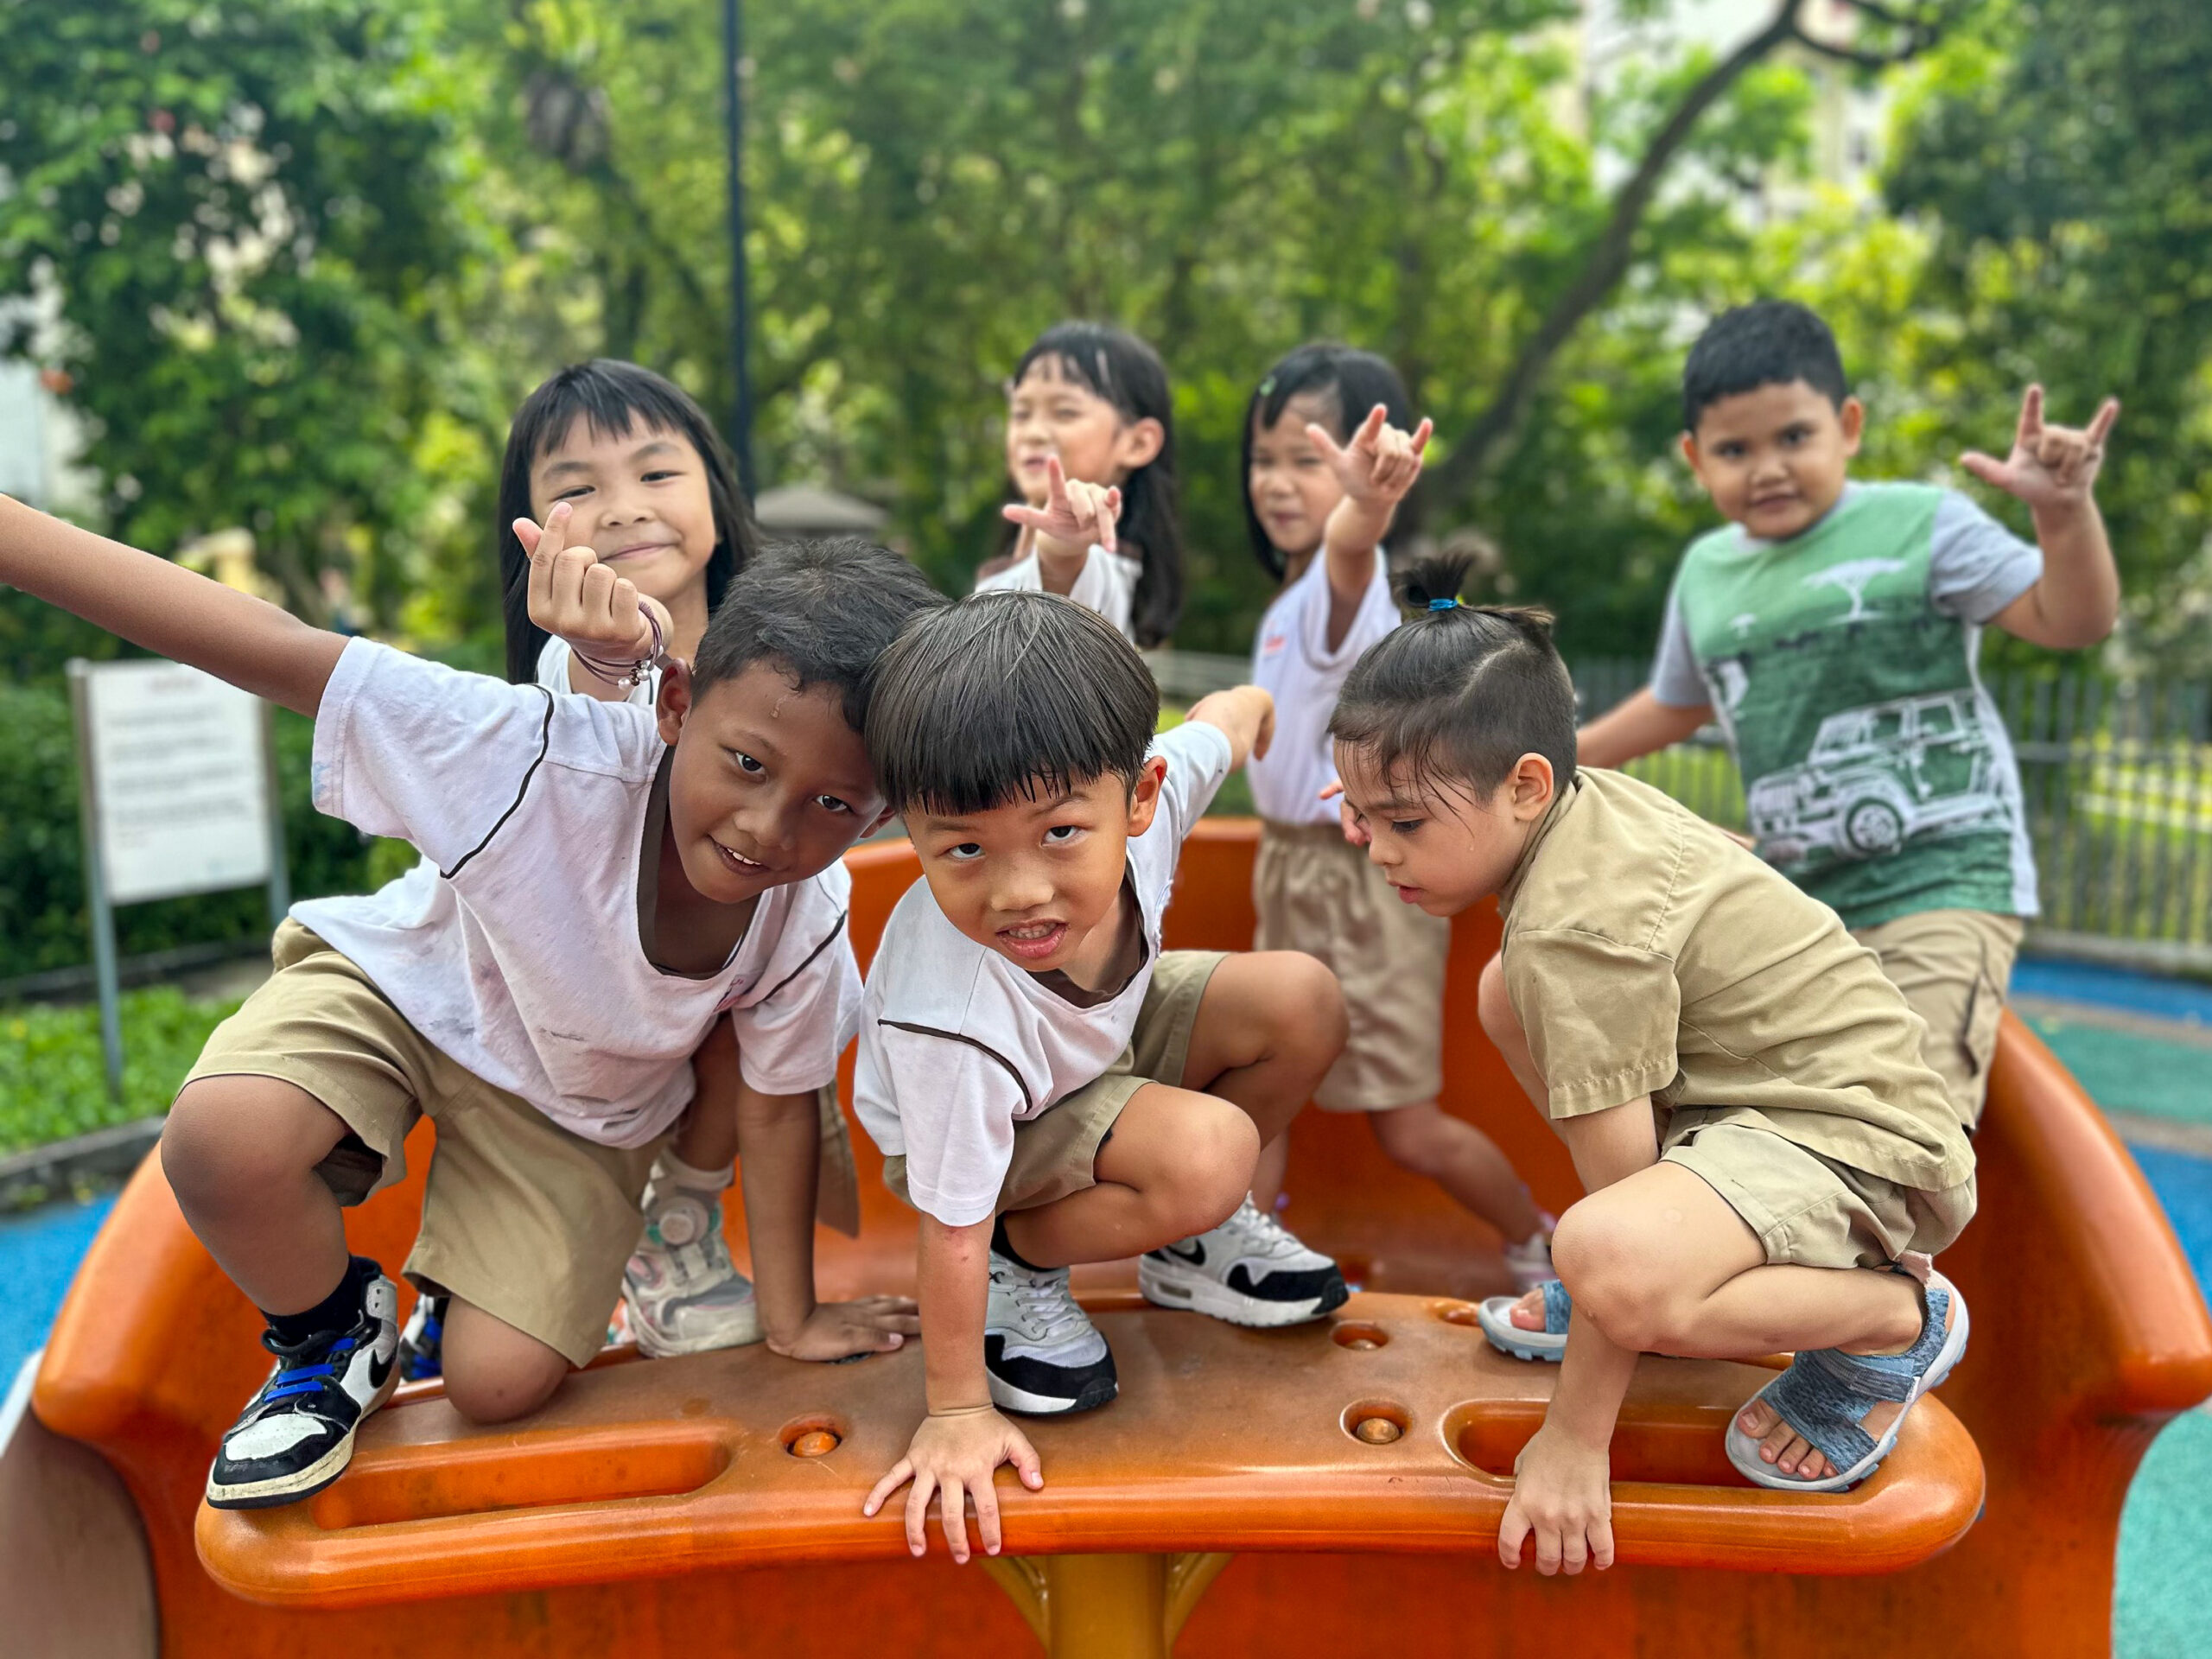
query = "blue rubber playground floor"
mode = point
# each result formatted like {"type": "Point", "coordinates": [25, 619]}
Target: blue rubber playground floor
{"type": "Point", "coordinates": [2141, 1045]}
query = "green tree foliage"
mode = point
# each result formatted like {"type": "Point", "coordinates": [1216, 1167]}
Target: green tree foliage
{"type": "Point", "coordinates": [2062, 157]}
{"type": "Point", "coordinates": [251, 217]}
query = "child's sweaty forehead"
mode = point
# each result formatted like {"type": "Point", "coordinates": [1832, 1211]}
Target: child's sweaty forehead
{"type": "Point", "coordinates": [1041, 800]}
{"type": "Point", "coordinates": [762, 711]}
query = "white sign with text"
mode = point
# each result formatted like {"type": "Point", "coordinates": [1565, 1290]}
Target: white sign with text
{"type": "Point", "coordinates": [180, 780]}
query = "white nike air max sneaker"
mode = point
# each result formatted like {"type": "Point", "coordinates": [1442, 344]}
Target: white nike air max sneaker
{"type": "Point", "coordinates": [1250, 1270]}
{"type": "Point", "coordinates": [1040, 1350]}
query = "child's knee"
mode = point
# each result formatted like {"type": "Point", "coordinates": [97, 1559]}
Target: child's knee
{"type": "Point", "coordinates": [1218, 1151]}
{"type": "Point", "coordinates": [1600, 1255]}
{"type": "Point", "coordinates": [494, 1373]}
{"type": "Point", "coordinates": [236, 1136]}
{"type": "Point", "coordinates": [1308, 1004]}
{"type": "Point", "coordinates": [1495, 1008]}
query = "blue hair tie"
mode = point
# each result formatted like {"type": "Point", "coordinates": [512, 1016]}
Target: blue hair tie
{"type": "Point", "coordinates": [1443, 604]}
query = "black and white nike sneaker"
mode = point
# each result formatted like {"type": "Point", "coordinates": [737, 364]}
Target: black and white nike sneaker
{"type": "Point", "coordinates": [296, 1436]}
{"type": "Point", "coordinates": [1041, 1350]}
{"type": "Point", "coordinates": [1250, 1270]}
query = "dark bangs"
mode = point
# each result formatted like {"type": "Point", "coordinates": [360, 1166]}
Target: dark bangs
{"type": "Point", "coordinates": [1347, 383]}
{"type": "Point", "coordinates": [1004, 696]}
{"type": "Point", "coordinates": [612, 397]}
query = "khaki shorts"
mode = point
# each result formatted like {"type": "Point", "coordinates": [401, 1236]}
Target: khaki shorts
{"type": "Point", "coordinates": [1054, 1151]}
{"type": "Point", "coordinates": [1810, 1211]}
{"type": "Point", "coordinates": [1317, 892]}
{"type": "Point", "coordinates": [1953, 967]}
{"type": "Point", "coordinates": [520, 1217]}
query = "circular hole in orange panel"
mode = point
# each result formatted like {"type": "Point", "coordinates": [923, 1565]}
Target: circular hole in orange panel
{"type": "Point", "coordinates": [1358, 1336]}
{"type": "Point", "coordinates": [1454, 1312]}
{"type": "Point", "coordinates": [1376, 1423]}
{"type": "Point", "coordinates": [811, 1436]}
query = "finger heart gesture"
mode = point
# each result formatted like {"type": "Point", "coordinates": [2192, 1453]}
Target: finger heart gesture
{"type": "Point", "coordinates": [2050, 465]}
{"type": "Point", "coordinates": [1381, 463]}
{"type": "Point", "coordinates": [1073, 510]}
{"type": "Point", "coordinates": [573, 595]}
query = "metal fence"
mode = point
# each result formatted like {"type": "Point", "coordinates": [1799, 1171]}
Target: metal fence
{"type": "Point", "coordinates": [2116, 775]}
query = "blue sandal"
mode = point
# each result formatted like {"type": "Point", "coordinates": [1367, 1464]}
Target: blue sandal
{"type": "Point", "coordinates": [1826, 1393]}
{"type": "Point", "coordinates": [1496, 1318]}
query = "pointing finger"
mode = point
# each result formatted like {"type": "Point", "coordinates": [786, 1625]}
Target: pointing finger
{"type": "Point", "coordinates": [1422, 434]}
{"type": "Point", "coordinates": [2101, 425]}
{"type": "Point", "coordinates": [1056, 482]}
{"type": "Point", "coordinates": [1371, 429]}
{"type": "Point", "coordinates": [1109, 512]}
{"type": "Point", "coordinates": [2031, 426]}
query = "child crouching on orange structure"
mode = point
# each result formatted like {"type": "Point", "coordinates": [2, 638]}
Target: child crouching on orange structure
{"type": "Point", "coordinates": [601, 883]}
{"type": "Point", "coordinates": [1767, 1160]}
{"type": "Point", "coordinates": [1047, 1085]}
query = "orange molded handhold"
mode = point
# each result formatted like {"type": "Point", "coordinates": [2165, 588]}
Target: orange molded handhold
{"type": "Point", "coordinates": [593, 1527]}
{"type": "Point", "coordinates": [1223, 1439]}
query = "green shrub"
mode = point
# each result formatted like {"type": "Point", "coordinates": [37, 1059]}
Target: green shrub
{"type": "Point", "coordinates": [42, 923]}
{"type": "Point", "coordinates": [54, 1082]}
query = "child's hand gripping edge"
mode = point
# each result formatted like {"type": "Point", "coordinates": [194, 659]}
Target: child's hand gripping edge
{"type": "Point", "coordinates": [955, 1453]}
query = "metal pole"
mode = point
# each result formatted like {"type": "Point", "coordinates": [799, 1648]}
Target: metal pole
{"type": "Point", "coordinates": [740, 319]}
{"type": "Point", "coordinates": [280, 873]}
{"type": "Point", "coordinates": [101, 914]}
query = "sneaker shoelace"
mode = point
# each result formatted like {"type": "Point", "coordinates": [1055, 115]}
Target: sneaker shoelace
{"type": "Point", "coordinates": [294, 1378]}
{"type": "Point", "coordinates": [1043, 1301]}
{"type": "Point", "coordinates": [1269, 1236]}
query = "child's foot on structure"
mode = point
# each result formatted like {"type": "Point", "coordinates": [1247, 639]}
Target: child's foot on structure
{"type": "Point", "coordinates": [1041, 1350]}
{"type": "Point", "coordinates": [1850, 1402]}
{"type": "Point", "coordinates": [422, 1344]}
{"type": "Point", "coordinates": [295, 1435]}
{"type": "Point", "coordinates": [1530, 1261]}
{"type": "Point", "coordinates": [682, 1294]}
{"type": "Point", "coordinates": [1250, 1270]}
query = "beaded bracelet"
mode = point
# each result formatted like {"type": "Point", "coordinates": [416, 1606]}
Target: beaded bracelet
{"type": "Point", "coordinates": [627, 673]}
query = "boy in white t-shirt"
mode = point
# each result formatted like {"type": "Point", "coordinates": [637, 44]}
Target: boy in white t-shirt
{"type": "Point", "coordinates": [1046, 1085]}
{"type": "Point", "coordinates": [600, 884]}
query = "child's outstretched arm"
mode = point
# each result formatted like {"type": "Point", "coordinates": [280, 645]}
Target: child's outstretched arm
{"type": "Point", "coordinates": [1376, 469]}
{"type": "Point", "coordinates": [964, 1438]}
{"type": "Point", "coordinates": [167, 610]}
{"type": "Point", "coordinates": [2054, 469]}
{"type": "Point", "coordinates": [1639, 726]}
{"type": "Point", "coordinates": [1246, 713]}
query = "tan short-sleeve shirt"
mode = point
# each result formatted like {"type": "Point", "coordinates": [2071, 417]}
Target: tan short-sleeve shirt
{"type": "Point", "coordinates": [1647, 953]}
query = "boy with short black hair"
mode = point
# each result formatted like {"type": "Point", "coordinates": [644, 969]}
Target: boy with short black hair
{"type": "Point", "coordinates": [1833, 627]}
{"type": "Point", "coordinates": [600, 884]}
{"type": "Point", "coordinates": [1048, 1086]}
{"type": "Point", "coordinates": [1767, 1160]}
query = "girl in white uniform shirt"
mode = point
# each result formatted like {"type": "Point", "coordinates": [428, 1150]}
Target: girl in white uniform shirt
{"type": "Point", "coordinates": [653, 492]}
{"type": "Point", "coordinates": [1321, 486]}
{"type": "Point", "coordinates": [1096, 400]}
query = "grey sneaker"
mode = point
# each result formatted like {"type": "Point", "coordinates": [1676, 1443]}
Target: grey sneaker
{"type": "Point", "coordinates": [1250, 1270]}
{"type": "Point", "coordinates": [1040, 1350]}
{"type": "Point", "coordinates": [682, 1291]}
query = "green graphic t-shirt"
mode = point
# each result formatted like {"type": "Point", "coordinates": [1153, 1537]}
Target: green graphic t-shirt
{"type": "Point", "coordinates": [1841, 663]}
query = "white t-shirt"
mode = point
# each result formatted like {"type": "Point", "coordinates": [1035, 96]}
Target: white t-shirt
{"type": "Point", "coordinates": [1292, 661]}
{"type": "Point", "coordinates": [553, 674]}
{"type": "Point", "coordinates": [515, 946]}
{"type": "Point", "coordinates": [1108, 584]}
{"type": "Point", "coordinates": [958, 1045]}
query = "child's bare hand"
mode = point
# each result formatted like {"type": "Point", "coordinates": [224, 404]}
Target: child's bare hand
{"type": "Point", "coordinates": [1563, 1499]}
{"type": "Point", "coordinates": [1380, 464]}
{"type": "Point", "coordinates": [955, 1455]}
{"type": "Point", "coordinates": [874, 1324]}
{"type": "Point", "coordinates": [2049, 466]}
{"type": "Point", "coordinates": [1073, 510]}
{"type": "Point", "coordinates": [1355, 832]}
{"type": "Point", "coordinates": [574, 596]}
